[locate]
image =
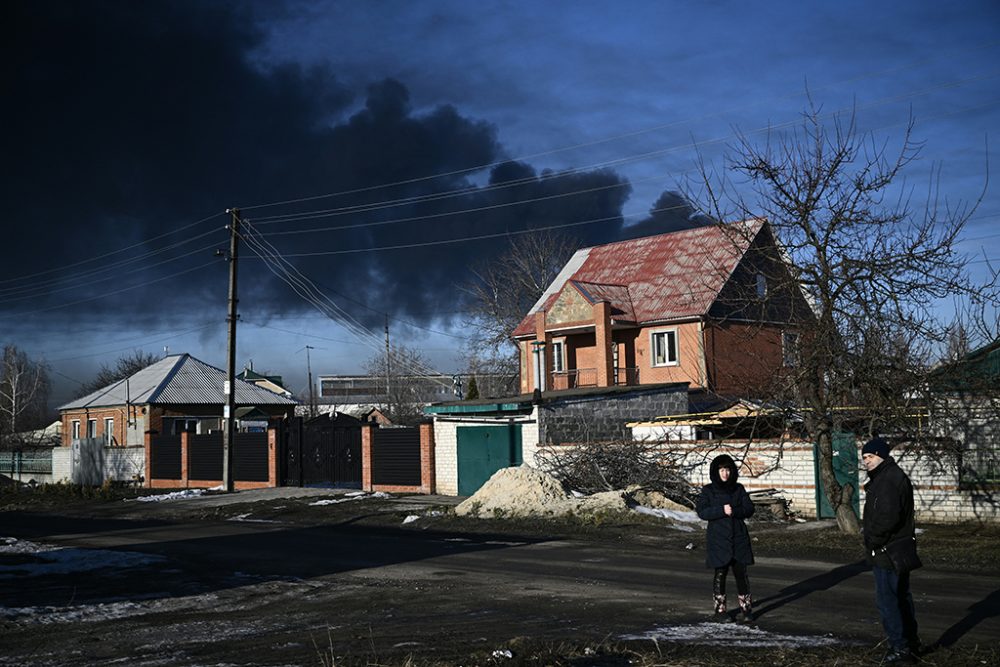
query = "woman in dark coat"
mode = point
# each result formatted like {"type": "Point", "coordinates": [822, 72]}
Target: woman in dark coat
{"type": "Point", "coordinates": [724, 504]}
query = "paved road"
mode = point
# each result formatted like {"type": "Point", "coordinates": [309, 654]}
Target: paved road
{"type": "Point", "coordinates": [259, 592]}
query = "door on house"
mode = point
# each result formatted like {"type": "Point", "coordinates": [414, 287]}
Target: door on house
{"type": "Point", "coordinates": [482, 450]}
{"type": "Point", "coordinates": [845, 469]}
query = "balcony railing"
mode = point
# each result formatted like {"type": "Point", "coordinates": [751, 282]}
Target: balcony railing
{"type": "Point", "coordinates": [587, 377]}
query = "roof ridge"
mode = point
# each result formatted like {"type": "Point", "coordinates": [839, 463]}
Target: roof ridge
{"type": "Point", "coordinates": [167, 377]}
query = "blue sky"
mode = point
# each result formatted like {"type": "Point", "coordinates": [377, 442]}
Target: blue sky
{"type": "Point", "coordinates": [131, 123]}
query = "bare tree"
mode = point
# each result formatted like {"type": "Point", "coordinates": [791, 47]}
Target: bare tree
{"type": "Point", "coordinates": [24, 393]}
{"type": "Point", "coordinates": [503, 291]}
{"type": "Point", "coordinates": [401, 383]}
{"type": "Point", "coordinates": [872, 265]}
{"type": "Point", "coordinates": [126, 365]}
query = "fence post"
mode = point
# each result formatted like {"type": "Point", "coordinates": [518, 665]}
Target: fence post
{"type": "Point", "coordinates": [427, 481]}
{"type": "Point", "coordinates": [272, 457]}
{"type": "Point", "coordinates": [184, 459]}
{"type": "Point", "coordinates": [147, 441]}
{"type": "Point", "coordinates": [367, 433]}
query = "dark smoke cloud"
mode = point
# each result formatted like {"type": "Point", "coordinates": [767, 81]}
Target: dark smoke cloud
{"type": "Point", "coordinates": [126, 120]}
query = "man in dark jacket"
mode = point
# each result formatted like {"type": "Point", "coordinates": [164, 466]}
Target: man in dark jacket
{"type": "Point", "coordinates": [724, 504]}
{"type": "Point", "coordinates": [888, 517]}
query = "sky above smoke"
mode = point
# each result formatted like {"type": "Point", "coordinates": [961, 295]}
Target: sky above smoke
{"type": "Point", "coordinates": [384, 149]}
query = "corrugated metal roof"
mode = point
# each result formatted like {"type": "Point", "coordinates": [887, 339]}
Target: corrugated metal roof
{"type": "Point", "coordinates": [666, 277]}
{"type": "Point", "coordinates": [175, 380]}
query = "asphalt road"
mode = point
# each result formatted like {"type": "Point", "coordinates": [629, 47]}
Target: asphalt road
{"type": "Point", "coordinates": [267, 593]}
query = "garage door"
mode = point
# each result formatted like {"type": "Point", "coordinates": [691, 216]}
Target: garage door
{"type": "Point", "coordinates": [482, 450]}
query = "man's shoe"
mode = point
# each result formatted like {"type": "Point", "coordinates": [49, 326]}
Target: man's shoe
{"type": "Point", "coordinates": [746, 617]}
{"type": "Point", "coordinates": [899, 657]}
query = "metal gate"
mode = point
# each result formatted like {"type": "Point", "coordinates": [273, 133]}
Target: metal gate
{"type": "Point", "coordinates": [482, 450]}
{"type": "Point", "coordinates": [323, 451]}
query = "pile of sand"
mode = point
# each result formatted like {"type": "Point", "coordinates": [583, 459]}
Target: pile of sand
{"type": "Point", "coordinates": [524, 492]}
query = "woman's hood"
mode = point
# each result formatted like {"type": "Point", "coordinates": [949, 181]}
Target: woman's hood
{"type": "Point", "coordinates": [727, 461]}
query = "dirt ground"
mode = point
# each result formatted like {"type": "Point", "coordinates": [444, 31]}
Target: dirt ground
{"type": "Point", "coordinates": [278, 580]}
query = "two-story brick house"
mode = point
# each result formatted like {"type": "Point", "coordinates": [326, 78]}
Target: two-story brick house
{"type": "Point", "coordinates": [713, 306]}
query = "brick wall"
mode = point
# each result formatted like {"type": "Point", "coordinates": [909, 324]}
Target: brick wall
{"type": "Point", "coordinates": [788, 466]}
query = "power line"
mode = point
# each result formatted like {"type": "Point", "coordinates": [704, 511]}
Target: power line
{"type": "Point", "coordinates": [111, 253]}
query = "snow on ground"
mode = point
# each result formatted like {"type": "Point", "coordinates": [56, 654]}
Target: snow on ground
{"type": "Point", "coordinates": [50, 559]}
{"type": "Point", "coordinates": [353, 495]}
{"type": "Point", "coordinates": [732, 634]}
{"type": "Point", "coordinates": [684, 517]}
{"type": "Point", "coordinates": [176, 495]}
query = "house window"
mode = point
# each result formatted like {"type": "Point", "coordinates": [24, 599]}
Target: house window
{"type": "Point", "coordinates": [761, 286]}
{"type": "Point", "coordinates": [91, 428]}
{"type": "Point", "coordinates": [558, 356]}
{"type": "Point", "coordinates": [76, 429]}
{"type": "Point", "coordinates": [664, 345]}
{"type": "Point", "coordinates": [789, 349]}
{"type": "Point", "coordinates": [109, 430]}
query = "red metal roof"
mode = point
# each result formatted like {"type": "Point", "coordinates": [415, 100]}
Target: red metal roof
{"type": "Point", "coordinates": [664, 277]}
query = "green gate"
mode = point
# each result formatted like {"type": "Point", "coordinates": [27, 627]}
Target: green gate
{"type": "Point", "coordinates": [482, 450]}
{"type": "Point", "coordinates": [845, 469]}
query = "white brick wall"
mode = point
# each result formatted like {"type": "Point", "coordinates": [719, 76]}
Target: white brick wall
{"type": "Point", "coordinates": [446, 457]}
{"type": "Point", "coordinates": [789, 467]}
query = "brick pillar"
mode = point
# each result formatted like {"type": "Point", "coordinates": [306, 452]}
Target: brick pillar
{"type": "Point", "coordinates": [366, 457]}
{"type": "Point", "coordinates": [427, 482]}
{"type": "Point", "coordinates": [147, 441]}
{"type": "Point", "coordinates": [272, 457]}
{"type": "Point", "coordinates": [602, 338]}
{"type": "Point", "coordinates": [541, 336]}
{"type": "Point", "coordinates": [184, 459]}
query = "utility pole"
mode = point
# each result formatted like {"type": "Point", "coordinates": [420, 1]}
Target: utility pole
{"type": "Point", "coordinates": [312, 396]}
{"type": "Point", "coordinates": [229, 412]}
{"type": "Point", "coordinates": [388, 366]}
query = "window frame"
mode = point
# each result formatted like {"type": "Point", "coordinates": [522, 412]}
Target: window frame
{"type": "Point", "coordinates": [92, 427]}
{"type": "Point", "coordinates": [109, 430]}
{"type": "Point", "coordinates": [761, 286]}
{"type": "Point", "coordinates": [789, 353]}
{"type": "Point", "coordinates": [674, 347]}
{"type": "Point", "coordinates": [559, 355]}
{"type": "Point", "coordinates": [75, 429]}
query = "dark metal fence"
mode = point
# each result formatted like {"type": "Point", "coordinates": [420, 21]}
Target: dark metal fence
{"type": "Point", "coordinates": [165, 457]}
{"type": "Point", "coordinates": [396, 456]}
{"type": "Point", "coordinates": [205, 456]}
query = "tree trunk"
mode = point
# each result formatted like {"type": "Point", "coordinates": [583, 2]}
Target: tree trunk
{"type": "Point", "coordinates": [847, 520]}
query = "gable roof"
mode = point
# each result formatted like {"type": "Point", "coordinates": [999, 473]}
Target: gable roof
{"type": "Point", "coordinates": [654, 278]}
{"type": "Point", "coordinates": [179, 379]}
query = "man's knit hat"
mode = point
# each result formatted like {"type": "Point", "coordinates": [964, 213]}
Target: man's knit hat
{"type": "Point", "coordinates": [876, 446]}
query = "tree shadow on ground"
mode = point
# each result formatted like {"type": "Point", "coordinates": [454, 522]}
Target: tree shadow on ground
{"type": "Point", "coordinates": [986, 608]}
{"type": "Point", "coordinates": [820, 582]}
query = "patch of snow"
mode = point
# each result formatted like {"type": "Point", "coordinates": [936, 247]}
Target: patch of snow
{"type": "Point", "coordinates": [177, 495]}
{"type": "Point", "coordinates": [503, 653]}
{"type": "Point", "coordinates": [673, 515]}
{"type": "Point", "coordinates": [62, 560]}
{"type": "Point", "coordinates": [732, 634]}
{"type": "Point", "coordinates": [90, 613]}
{"type": "Point", "coordinates": [411, 518]}
{"type": "Point", "coordinates": [246, 518]}
{"type": "Point", "coordinates": [353, 495]}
